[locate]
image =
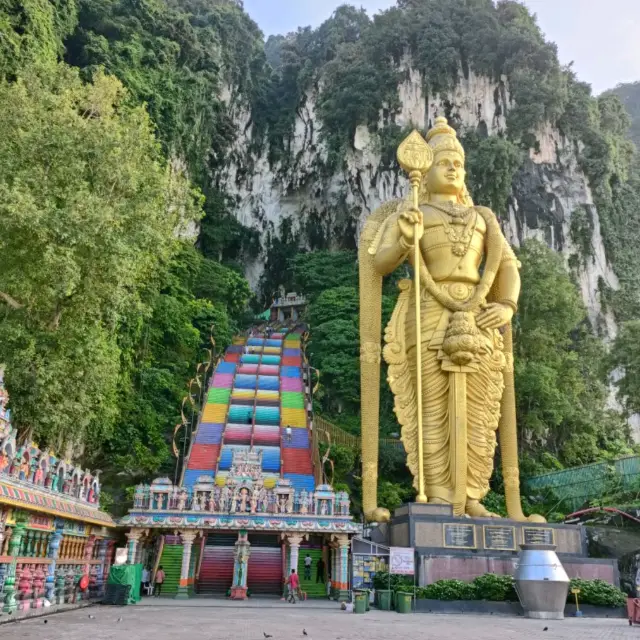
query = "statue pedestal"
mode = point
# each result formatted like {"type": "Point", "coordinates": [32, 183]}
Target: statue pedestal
{"type": "Point", "coordinates": [238, 593]}
{"type": "Point", "coordinates": [448, 546]}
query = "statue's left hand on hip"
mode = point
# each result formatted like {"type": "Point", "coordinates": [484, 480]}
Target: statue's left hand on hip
{"type": "Point", "coordinates": [494, 316]}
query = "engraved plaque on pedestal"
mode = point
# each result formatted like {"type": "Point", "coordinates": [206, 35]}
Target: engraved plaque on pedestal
{"type": "Point", "coordinates": [499, 538]}
{"type": "Point", "coordinates": [538, 535]}
{"type": "Point", "coordinates": [459, 536]}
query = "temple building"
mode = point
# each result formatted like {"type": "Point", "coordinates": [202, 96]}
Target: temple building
{"type": "Point", "coordinates": [250, 504]}
{"type": "Point", "coordinates": [52, 531]}
{"type": "Point", "coordinates": [287, 308]}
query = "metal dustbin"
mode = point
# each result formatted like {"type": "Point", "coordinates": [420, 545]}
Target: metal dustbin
{"type": "Point", "coordinates": [403, 602]}
{"type": "Point", "coordinates": [541, 582]}
{"type": "Point", "coordinates": [361, 598]}
{"type": "Point", "coordinates": [384, 599]}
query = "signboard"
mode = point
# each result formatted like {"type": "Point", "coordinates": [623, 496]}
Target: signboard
{"type": "Point", "coordinates": [121, 556]}
{"type": "Point", "coordinates": [538, 535]}
{"type": "Point", "coordinates": [460, 536]}
{"type": "Point", "coordinates": [402, 560]}
{"type": "Point", "coordinates": [499, 538]}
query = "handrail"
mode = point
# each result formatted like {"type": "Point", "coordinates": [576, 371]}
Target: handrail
{"type": "Point", "coordinates": [342, 437]}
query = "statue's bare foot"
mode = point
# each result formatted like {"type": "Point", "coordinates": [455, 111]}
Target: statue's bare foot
{"type": "Point", "coordinates": [475, 510]}
{"type": "Point", "coordinates": [379, 514]}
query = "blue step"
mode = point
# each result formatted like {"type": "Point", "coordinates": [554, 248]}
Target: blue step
{"type": "Point", "coordinates": [268, 415]}
{"type": "Point", "coordinates": [268, 383]}
{"type": "Point", "coordinates": [255, 342]}
{"type": "Point", "coordinates": [290, 372]}
{"type": "Point", "coordinates": [301, 481]}
{"type": "Point", "coordinates": [273, 343]}
{"type": "Point", "coordinates": [226, 367]}
{"type": "Point", "coordinates": [270, 458]}
{"type": "Point", "coordinates": [298, 439]}
{"type": "Point", "coordinates": [245, 381]}
{"type": "Point", "coordinates": [209, 433]}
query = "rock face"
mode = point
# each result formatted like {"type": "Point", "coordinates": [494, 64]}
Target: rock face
{"type": "Point", "coordinates": [546, 192]}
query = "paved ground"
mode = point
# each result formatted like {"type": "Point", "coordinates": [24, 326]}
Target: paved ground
{"type": "Point", "coordinates": [219, 620]}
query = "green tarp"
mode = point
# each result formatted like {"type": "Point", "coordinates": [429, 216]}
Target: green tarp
{"type": "Point", "coordinates": [127, 574]}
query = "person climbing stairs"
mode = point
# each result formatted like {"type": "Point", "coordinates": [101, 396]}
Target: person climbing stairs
{"type": "Point", "coordinates": [310, 586]}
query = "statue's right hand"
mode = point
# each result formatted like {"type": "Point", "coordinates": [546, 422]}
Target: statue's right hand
{"type": "Point", "coordinates": [410, 221]}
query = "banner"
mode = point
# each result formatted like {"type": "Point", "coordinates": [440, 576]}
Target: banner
{"type": "Point", "coordinates": [402, 561]}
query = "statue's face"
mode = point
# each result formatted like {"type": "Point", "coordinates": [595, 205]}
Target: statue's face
{"type": "Point", "coordinates": [447, 174]}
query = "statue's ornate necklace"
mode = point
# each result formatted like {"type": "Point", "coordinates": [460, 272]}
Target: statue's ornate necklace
{"type": "Point", "coordinates": [459, 226]}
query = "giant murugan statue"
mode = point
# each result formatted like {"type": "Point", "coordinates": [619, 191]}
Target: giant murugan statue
{"type": "Point", "coordinates": [448, 343]}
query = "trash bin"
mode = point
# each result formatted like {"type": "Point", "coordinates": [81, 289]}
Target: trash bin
{"type": "Point", "coordinates": [403, 602]}
{"type": "Point", "coordinates": [384, 599]}
{"type": "Point", "coordinates": [361, 598]}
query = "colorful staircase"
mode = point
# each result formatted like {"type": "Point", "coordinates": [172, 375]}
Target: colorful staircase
{"type": "Point", "coordinates": [312, 588]}
{"type": "Point", "coordinates": [171, 561]}
{"type": "Point", "coordinates": [256, 400]}
{"type": "Point", "coordinates": [216, 570]}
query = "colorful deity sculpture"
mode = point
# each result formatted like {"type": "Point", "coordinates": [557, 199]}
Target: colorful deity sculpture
{"type": "Point", "coordinates": [448, 343]}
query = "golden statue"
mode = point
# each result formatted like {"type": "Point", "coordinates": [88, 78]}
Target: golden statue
{"type": "Point", "coordinates": [456, 323]}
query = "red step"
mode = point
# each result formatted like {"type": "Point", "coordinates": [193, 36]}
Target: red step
{"type": "Point", "coordinates": [296, 461]}
{"type": "Point", "coordinates": [204, 456]}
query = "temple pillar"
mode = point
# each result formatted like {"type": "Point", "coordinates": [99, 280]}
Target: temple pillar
{"type": "Point", "coordinates": [103, 546]}
{"type": "Point", "coordinates": [294, 540]}
{"type": "Point", "coordinates": [343, 564]}
{"type": "Point", "coordinates": [240, 566]}
{"type": "Point", "coordinates": [15, 542]}
{"type": "Point", "coordinates": [53, 552]}
{"type": "Point", "coordinates": [87, 557]}
{"type": "Point", "coordinates": [334, 571]}
{"type": "Point", "coordinates": [187, 544]}
{"type": "Point", "coordinates": [133, 537]}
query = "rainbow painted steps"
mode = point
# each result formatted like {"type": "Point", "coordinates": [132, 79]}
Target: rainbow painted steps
{"type": "Point", "coordinates": [256, 392]}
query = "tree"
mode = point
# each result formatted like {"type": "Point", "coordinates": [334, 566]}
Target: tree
{"type": "Point", "coordinates": [89, 213]}
{"type": "Point", "coordinates": [560, 379]}
{"type": "Point", "coordinates": [624, 361]}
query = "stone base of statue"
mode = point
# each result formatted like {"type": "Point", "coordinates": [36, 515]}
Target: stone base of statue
{"type": "Point", "coordinates": [448, 546]}
{"type": "Point", "coordinates": [238, 593]}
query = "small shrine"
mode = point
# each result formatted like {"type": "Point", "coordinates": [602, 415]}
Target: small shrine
{"type": "Point", "coordinates": [52, 531]}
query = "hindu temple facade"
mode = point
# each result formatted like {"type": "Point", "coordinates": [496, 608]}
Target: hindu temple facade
{"type": "Point", "coordinates": [52, 531]}
{"type": "Point", "coordinates": [250, 504]}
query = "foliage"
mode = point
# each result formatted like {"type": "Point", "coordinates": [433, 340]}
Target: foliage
{"type": "Point", "coordinates": [89, 211]}
{"type": "Point", "coordinates": [32, 32]}
{"type": "Point", "coordinates": [395, 582]}
{"type": "Point", "coordinates": [629, 95]}
{"type": "Point", "coordinates": [625, 358]}
{"type": "Point", "coordinates": [449, 589]}
{"type": "Point", "coordinates": [598, 593]}
{"type": "Point", "coordinates": [174, 56]}
{"type": "Point", "coordinates": [491, 164]}
{"type": "Point", "coordinates": [560, 380]}
{"type": "Point", "coordinates": [494, 587]}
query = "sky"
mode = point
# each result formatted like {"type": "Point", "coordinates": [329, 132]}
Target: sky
{"type": "Point", "coordinates": [600, 38]}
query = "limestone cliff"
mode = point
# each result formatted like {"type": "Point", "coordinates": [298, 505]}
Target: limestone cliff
{"type": "Point", "coordinates": [546, 191]}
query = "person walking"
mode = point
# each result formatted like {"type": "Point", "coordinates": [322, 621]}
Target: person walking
{"type": "Point", "coordinates": [160, 576]}
{"type": "Point", "coordinates": [293, 582]}
{"type": "Point", "coordinates": [308, 561]}
{"type": "Point", "coordinates": [320, 570]}
{"type": "Point", "coordinates": [146, 577]}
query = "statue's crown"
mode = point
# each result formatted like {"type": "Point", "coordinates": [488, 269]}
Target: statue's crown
{"type": "Point", "coordinates": [442, 137]}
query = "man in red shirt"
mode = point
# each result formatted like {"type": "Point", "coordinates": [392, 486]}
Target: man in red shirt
{"type": "Point", "coordinates": [294, 584]}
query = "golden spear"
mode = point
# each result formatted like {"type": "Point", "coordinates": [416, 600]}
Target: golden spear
{"type": "Point", "coordinates": [415, 156]}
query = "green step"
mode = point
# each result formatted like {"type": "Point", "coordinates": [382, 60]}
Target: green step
{"type": "Point", "coordinates": [292, 400]}
{"type": "Point", "coordinates": [218, 396]}
{"type": "Point", "coordinates": [312, 588]}
{"type": "Point", "coordinates": [171, 561]}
